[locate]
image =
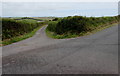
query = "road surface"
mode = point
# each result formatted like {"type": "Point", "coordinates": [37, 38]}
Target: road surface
{"type": "Point", "coordinates": [92, 54]}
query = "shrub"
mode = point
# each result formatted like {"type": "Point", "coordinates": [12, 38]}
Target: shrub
{"type": "Point", "coordinates": [12, 28]}
{"type": "Point", "coordinates": [52, 26]}
{"type": "Point", "coordinates": [78, 24]}
{"type": "Point", "coordinates": [74, 24]}
{"type": "Point", "coordinates": [55, 19]}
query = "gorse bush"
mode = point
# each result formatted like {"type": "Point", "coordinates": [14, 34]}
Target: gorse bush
{"type": "Point", "coordinates": [71, 24]}
{"type": "Point", "coordinates": [78, 24]}
{"type": "Point", "coordinates": [55, 19]}
{"type": "Point", "coordinates": [52, 26]}
{"type": "Point", "coordinates": [12, 28]}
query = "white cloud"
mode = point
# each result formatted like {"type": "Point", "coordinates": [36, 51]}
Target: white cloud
{"type": "Point", "coordinates": [60, 0]}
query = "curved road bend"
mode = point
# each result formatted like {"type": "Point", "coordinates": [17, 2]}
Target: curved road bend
{"type": "Point", "coordinates": [92, 54]}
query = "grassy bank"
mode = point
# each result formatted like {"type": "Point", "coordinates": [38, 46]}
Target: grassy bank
{"type": "Point", "coordinates": [76, 26]}
{"type": "Point", "coordinates": [14, 30]}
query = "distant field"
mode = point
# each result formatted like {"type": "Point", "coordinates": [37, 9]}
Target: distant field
{"type": "Point", "coordinates": [34, 18]}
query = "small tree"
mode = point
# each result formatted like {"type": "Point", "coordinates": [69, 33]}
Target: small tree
{"type": "Point", "coordinates": [55, 19]}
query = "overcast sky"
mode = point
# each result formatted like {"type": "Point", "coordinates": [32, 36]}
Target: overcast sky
{"type": "Point", "coordinates": [59, 0]}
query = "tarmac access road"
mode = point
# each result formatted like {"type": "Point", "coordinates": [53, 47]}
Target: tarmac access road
{"type": "Point", "coordinates": [91, 54]}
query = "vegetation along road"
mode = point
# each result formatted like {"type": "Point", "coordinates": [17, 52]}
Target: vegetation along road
{"type": "Point", "coordinates": [91, 54]}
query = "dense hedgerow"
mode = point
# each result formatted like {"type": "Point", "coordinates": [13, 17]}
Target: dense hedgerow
{"type": "Point", "coordinates": [0, 28]}
{"type": "Point", "coordinates": [56, 19]}
{"type": "Point", "coordinates": [12, 28]}
{"type": "Point", "coordinates": [78, 24]}
{"type": "Point", "coordinates": [52, 26]}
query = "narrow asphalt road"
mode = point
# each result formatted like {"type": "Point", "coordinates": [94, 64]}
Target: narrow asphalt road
{"type": "Point", "coordinates": [92, 54]}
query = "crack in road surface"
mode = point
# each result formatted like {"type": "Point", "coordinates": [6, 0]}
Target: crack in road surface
{"type": "Point", "coordinates": [92, 54]}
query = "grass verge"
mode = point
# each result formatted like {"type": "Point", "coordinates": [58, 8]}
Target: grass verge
{"type": "Point", "coordinates": [69, 35]}
{"type": "Point", "coordinates": [19, 38]}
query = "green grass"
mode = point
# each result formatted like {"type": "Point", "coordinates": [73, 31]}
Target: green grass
{"type": "Point", "coordinates": [69, 35]}
{"type": "Point", "coordinates": [19, 38]}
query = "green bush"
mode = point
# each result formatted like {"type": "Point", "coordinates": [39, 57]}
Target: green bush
{"type": "Point", "coordinates": [12, 28]}
{"type": "Point", "coordinates": [79, 24]}
{"type": "Point", "coordinates": [52, 26]}
{"type": "Point", "coordinates": [55, 19]}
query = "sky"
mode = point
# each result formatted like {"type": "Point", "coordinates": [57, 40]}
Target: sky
{"type": "Point", "coordinates": [59, 9]}
{"type": "Point", "coordinates": [59, 0]}
{"type": "Point", "coordinates": [9, 8]}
